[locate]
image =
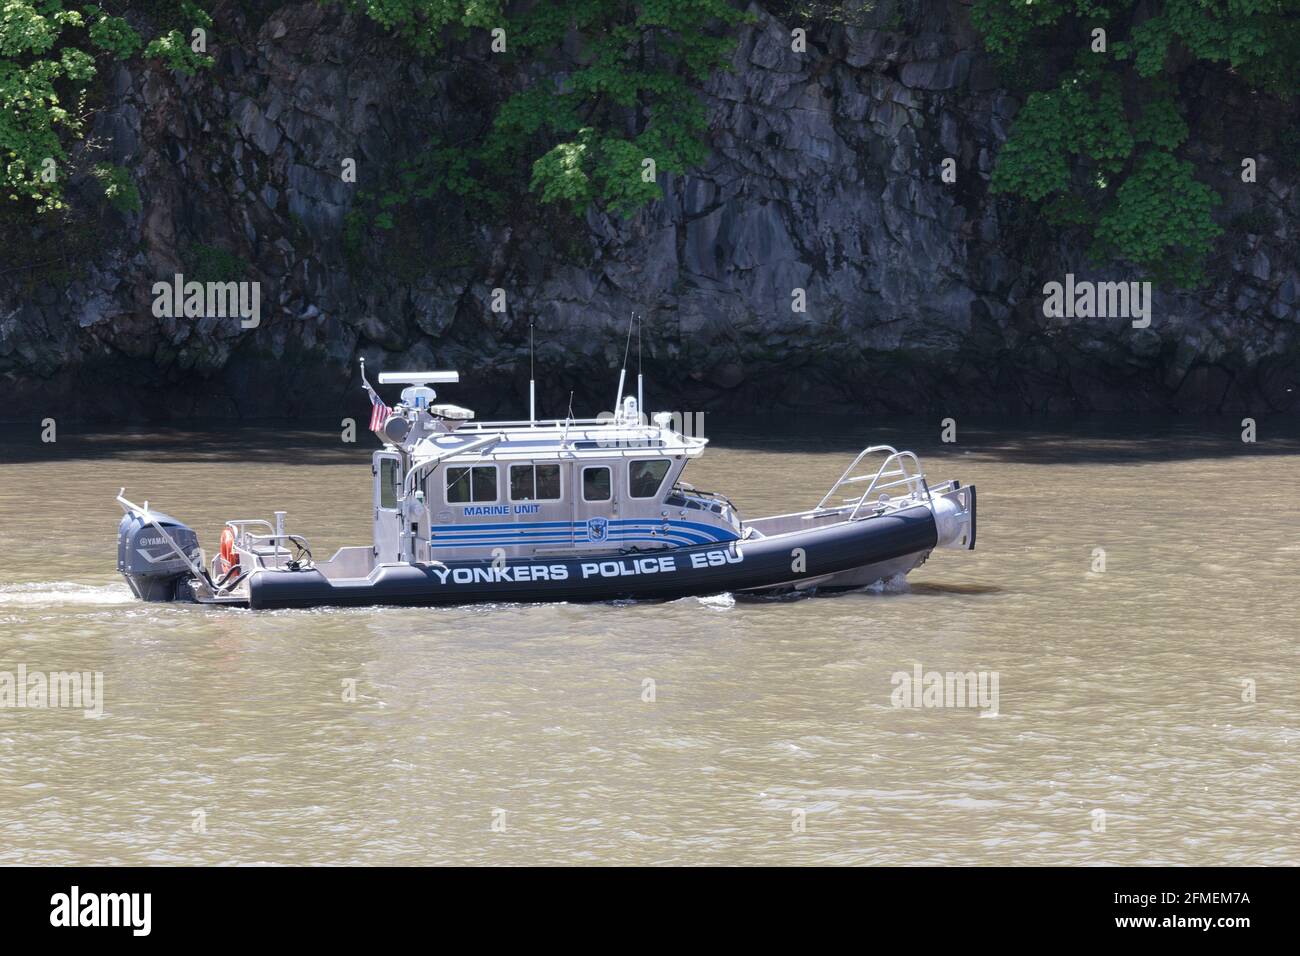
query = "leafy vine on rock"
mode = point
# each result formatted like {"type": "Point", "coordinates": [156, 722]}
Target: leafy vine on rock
{"type": "Point", "coordinates": [1097, 148]}
{"type": "Point", "coordinates": [50, 54]}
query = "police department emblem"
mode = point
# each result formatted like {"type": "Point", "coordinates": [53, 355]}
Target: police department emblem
{"type": "Point", "coordinates": [597, 528]}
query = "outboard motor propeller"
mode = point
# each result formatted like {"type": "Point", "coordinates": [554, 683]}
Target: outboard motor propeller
{"type": "Point", "coordinates": [147, 559]}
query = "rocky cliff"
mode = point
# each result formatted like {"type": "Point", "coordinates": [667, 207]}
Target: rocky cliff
{"type": "Point", "coordinates": [824, 176]}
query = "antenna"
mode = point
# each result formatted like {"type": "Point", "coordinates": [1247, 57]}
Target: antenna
{"type": "Point", "coordinates": [622, 375]}
{"type": "Point", "coordinates": [532, 381]}
{"type": "Point", "coordinates": [567, 420]}
{"type": "Point", "coordinates": [640, 381]}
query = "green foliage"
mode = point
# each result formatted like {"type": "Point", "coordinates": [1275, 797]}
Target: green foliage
{"type": "Point", "coordinates": [121, 193]}
{"type": "Point", "coordinates": [1160, 124]}
{"type": "Point", "coordinates": [36, 79]}
{"type": "Point", "coordinates": [213, 264]}
{"type": "Point", "coordinates": [47, 62]}
{"type": "Point", "coordinates": [1054, 127]}
{"type": "Point", "coordinates": [1160, 220]}
{"type": "Point", "coordinates": [174, 47]}
{"type": "Point", "coordinates": [1256, 38]}
{"type": "Point", "coordinates": [1095, 146]}
{"type": "Point", "coordinates": [411, 241]}
{"type": "Point", "coordinates": [49, 249]}
{"type": "Point", "coordinates": [1009, 26]}
{"type": "Point", "coordinates": [878, 14]}
{"type": "Point", "coordinates": [422, 22]}
{"type": "Point", "coordinates": [583, 140]}
{"type": "Point", "coordinates": [113, 35]}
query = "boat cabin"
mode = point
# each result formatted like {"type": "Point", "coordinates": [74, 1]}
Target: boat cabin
{"type": "Point", "coordinates": [448, 487]}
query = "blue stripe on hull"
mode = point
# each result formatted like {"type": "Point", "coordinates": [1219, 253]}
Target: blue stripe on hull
{"type": "Point", "coordinates": [677, 537]}
{"type": "Point", "coordinates": [562, 532]}
{"type": "Point", "coordinates": [720, 534]}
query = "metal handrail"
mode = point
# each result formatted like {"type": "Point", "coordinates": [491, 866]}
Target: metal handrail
{"type": "Point", "coordinates": [479, 445]}
{"type": "Point", "coordinates": [276, 540]}
{"type": "Point", "coordinates": [255, 539]}
{"type": "Point", "coordinates": [240, 527]}
{"type": "Point", "coordinates": [914, 480]}
{"type": "Point", "coordinates": [556, 423]}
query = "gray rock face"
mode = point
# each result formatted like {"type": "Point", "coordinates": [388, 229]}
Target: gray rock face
{"type": "Point", "coordinates": [818, 259]}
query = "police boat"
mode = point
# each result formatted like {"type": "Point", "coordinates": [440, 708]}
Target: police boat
{"type": "Point", "coordinates": [560, 510]}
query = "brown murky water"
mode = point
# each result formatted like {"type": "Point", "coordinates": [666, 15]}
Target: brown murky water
{"type": "Point", "coordinates": [772, 736]}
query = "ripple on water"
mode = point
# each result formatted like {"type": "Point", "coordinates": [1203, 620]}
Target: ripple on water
{"type": "Point", "coordinates": [38, 594]}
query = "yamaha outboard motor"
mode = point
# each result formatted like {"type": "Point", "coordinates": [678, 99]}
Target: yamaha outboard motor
{"type": "Point", "coordinates": [150, 565]}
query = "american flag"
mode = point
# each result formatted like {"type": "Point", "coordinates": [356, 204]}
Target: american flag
{"type": "Point", "coordinates": [379, 412]}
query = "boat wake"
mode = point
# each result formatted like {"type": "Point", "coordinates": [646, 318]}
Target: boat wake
{"type": "Point", "coordinates": [46, 593]}
{"type": "Point", "coordinates": [717, 602]}
{"type": "Point", "coordinates": [896, 584]}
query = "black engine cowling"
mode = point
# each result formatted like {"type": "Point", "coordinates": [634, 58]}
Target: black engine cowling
{"type": "Point", "coordinates": [148, 562]}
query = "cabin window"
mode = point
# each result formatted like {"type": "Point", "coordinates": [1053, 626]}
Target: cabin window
{"type": "Point", "coordinates": [388, 483]}
{"type": "Point", "coordinates": [596, 484]}
{"type": "Point", "coordinates": [534, 482]}
{"type": "Point", "coordinates": [644, 477]}
{"type": "Point", "coordinates": [477, 483]}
